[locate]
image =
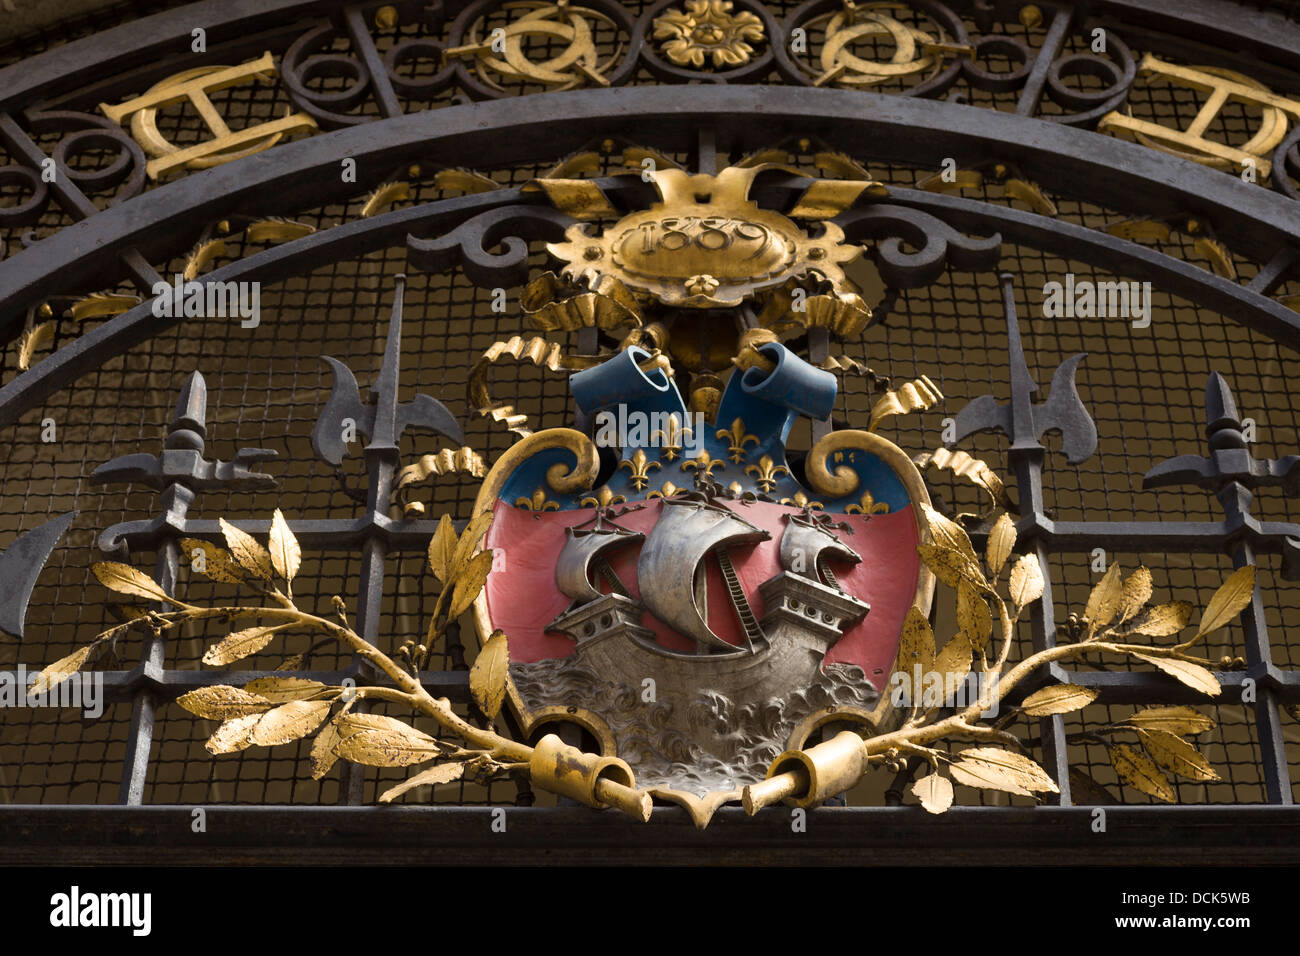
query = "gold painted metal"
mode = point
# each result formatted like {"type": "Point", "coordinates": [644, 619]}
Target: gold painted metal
{"type": "Point", "coordinates": [577, 63]}
{"type": "Point", "coordinates": [591, 779]}
{"type": "Point", "coordinates": [825, 771]}
{"type": "Point", "coordinates": [384, 196]}
{"type": "Point", "coordinates": [1221, 263]}
{"type": "Point", "coordinates": [386, 17]}
{"type": "Point", "coordinates": [603, 498]}
{"type": "Point", "coordinates": [639, 466]}
{"type": "Point", "coordinates": [800, 500]}
{"type": "Point", "coordinates": [748, 356]}
{"type": "Point", "coordinates": [672, 438]}
{"type": "Point", "coordinates": [195, 85]}
{"type": "Point", "coordinates": [766, 473]}
{"type": "Point", "coordinates": [868, 505]}
{"type": "Point", "coordinates": [1191, 143]}
{"type": "Point", "coordinates": [537, 351]}
{"type": "Point", "coordinates": [37, 337]}
{"type": "Point", "coordinates": [464, 181]}
{"type": "Point", "coordinates": [915, 51]}
{"type": "Point", "coordinates": [666, 490]}
{"type": "Point", "coordinates": [580, 198]}
{"type": "Point", "coordinates": [706, 244]}
{"type": "Point", "coordinates": [551, 305]}
{"type": "Point", "coordinates": [277, 230]}
{"type": "Point", "coordinates": [827, 198]}
{"type": "Point", "coordinates": [537, 502]}
{"type": "Point", "coordinates": [837, 714]}
{"type": "Point", "coordinates": [972, 469]}
{"type": "Point", "coordinates": [739, 438]}
{"type": "Point", "coordinates": [845, 314]}
{"type": "Point", "coordinates": [916, 396]}
{"type": "Point", "coordinates": [98, 305]}
{"type": "Point", "coordinates": [202, 256]}
{"type": "Point", "coordinates": [706, 395]}
{"type": "Point", "coordinates": [462, 461]}
{"type": "Point", "coordinates": [707, 30]}
{"type": "Point", "coordinates": [704, 464]}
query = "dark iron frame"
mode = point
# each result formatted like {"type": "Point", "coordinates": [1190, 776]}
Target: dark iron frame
{"type": "Point", "coordinates": [105, 246]}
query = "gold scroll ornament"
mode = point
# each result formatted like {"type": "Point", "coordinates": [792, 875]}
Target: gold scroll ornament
{"type": "Point", "coordinates": [195, 85]}
{"type": "Point", "coordinates": [915, 51]}
{"type": "Point", "coordinates": [1191, 143]}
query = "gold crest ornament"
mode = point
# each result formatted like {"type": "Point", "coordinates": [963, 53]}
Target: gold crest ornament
{"type": "Point", "coordinates": [707, 245]}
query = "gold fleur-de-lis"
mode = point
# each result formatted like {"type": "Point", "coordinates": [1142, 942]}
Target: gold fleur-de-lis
{"type": "Point", "coordinates": [767, 471]}
{"type": "Point", "coordinates": [603, 498]}
{"type": "Point", "coordinates": [869, 506]}
{"type": "Point", "coordinates": [666, 490]}
{"type": "Point", "coordinates": [671, 437]}
{"type": "Point", "coordinates": [704, 464]}
{"type": "Point", "coordinates": [739, 438]}
{"type": "Point", "coordinates": [538, 502]}
{"type": "Point", "coordinates": [800, 500]}
{"type": "Point", "coordinates": [640, 467]}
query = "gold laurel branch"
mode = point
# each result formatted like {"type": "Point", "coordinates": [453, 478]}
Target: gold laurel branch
{"type": "Point", "coordinates": [277, 229]}
{"type": "Point", "coordinates": [202, 256]}
{"type": "Point", "coordinates": [916, 396]}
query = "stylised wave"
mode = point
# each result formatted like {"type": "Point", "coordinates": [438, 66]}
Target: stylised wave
{"type": "Point", "coordinates": [714, 743]}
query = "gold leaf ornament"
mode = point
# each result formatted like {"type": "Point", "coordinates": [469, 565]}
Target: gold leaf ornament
{"type": "Point", "coordinates": [442, 548]}
{"type": "Point", "coordinates": [1059, 699]}
{"type": "Point", "coordinates": [1104, 599]}
{"type": "Point", "coordinates": [1134, 594]}
{"type": "Point", "coordinates": [1161, 620]}
{"type": "Point", "coordinates": [442, 773]}
{"type": "Point", "coordinates": [323, 756]}
{"type": "Point", "coordinates": [377, 741]}
{"type": "Point", "coordinates": [1175, 720]}
{"type": "Point", "coordinates": [233, 735]}
{"type": "Point", "coordinates": [934, 791]}
{"type": "Point", "coordinates": [1026, 582]}
{"type": "Point", "coordinates": [1138, 771]}
{"type": "Point", "coordinates": [125, 579]}
{"type": "Point", "coordinates": [1193, 675]}
{"type": "Point", "coordinates": [991, 768]}
{"type": "Point", "coordinates": [974, 619]}
{"type": "Point", "coordinates": [250, 555]}
{"type": "Point", "coordinates": [56, 673]}
{"type": "Point", "coordinates": [217, 562]}
{"type": "Point", "coordinates": [469, 583]}
{"type": "Point", "coordinates": [1228, 601]}
{"type": "Point", "coordinates": [282, 689]}
{"type": "Point", "coordinates": [487, 678]}
{"type": "Point", "coordinates": [241, 644]}
{"type": "Point", "coordinates": [289, 722]}
{"type": "Point", "coordinates": [222, 702]}
{"type": "Point", "coordinates": [1001, 540]}
{"type": "Point", "coordinates": [286, 553]}
{"type": "Point", "coordinates": [1177, 756]}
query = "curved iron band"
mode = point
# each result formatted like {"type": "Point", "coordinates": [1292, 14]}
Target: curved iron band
{"type": "Point", "coordinates": [1208, 26]}
{"type": "Point", "coordinates": [366, 235]}
{"type": "Point", "coordinates": [1098, 169]}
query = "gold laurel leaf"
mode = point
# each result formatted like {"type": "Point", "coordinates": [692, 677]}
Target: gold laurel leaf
{"type": "Point", "coordinates": [378, 741]}
{"type": "Point", "coordinates": [974, 619]}
{"type": "Point", "coordinates": [1193, 675]}
{"type": "Point", "coordinates": [1161, 620]}
{"type": "Point", "coordinates": [125, 579]}
{"type": "Point", "coordinates": [1001, 540]}
{"type": "Point", "coordinates": [37, 337]}
{"type": "Point", "coordinates": [442, 548]}
{"type": "Point", "coordinates": [1138, 771]}
{"type": "Point", "coordinates": [1103, 602]}
{"type": "Point", "coordinates": [951, 566]}
{"type": "Point", "coordinates": [991, 768]}
{"type": "Point", "coordinates": [323, 757]}
{"type": "Point", "coordinates": [250, 555]}
{"type": "Point", "coordinates": [1229, 600]}
{"type": "Point", "coordinates": [56, 673]}
{"type": "Point", "coordinates": [934, 791]}
{"type": "Point", "coordinates": [1175, 720]}
{"type": "Point", "coordinates": [1175, 755]}
{"type": "Point", "coordinates": [947, 533]}
{"type": "Point", "coordinates": [917, 643]}
{"type": "Point", "coordinates": [487, 678]}
{"type": "Point", "coordinates": [1134, 594]}
{"type": "Point", "coordinates": [1060, 699]}
{"type": "Point", "coordinates": [469, 541]}
{"type": "Point", "coordinates": [469, 583]}
{"type": "Point", "coordinates": [232, 736]}
{"type": "Point", "coordinates": [217, 562]}
{"type": "Point", "coordinates": [954, 661]}
{"type": "Point", "coordinates": [282, 689]}
{"type": "Point", "coordinates": [289, 722]}
{"type": "Point", "coordinates": [442, 773]}
{"type": "Point", "coordinates": [240, 644]}
{"type": "Point", "coordinates": [221, 702]}
{"type": "Point", "coordinates": [286, 553]}
{"type": "Point", "coordinates": [1025, 584]}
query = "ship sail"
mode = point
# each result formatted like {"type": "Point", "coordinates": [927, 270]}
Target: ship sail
{"type": "Point", "coordinates": [582, 549]}
{"type": "Point", "coordinates": [806, 545]}
{"type": "Point", "coordinates": [686, 532]}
